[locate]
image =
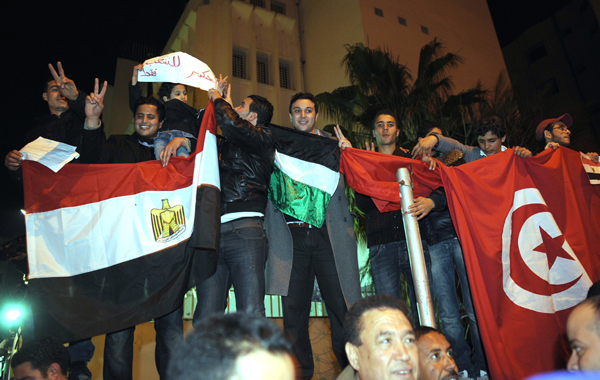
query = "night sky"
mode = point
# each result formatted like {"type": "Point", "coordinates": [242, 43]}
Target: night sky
{"type": "Point", "coordinates": [86, 36]}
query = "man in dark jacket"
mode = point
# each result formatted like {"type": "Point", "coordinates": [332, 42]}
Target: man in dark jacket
{"type": "Point", "coordinates": [137, 147]}
{"type": "Point", "coordinates": [388, 250]}
{"type": "Point", "coordinates": [246, 153]}
{"type": "Point", "coordinates": [446, 258]}
{"type": "Point", "coordinates": [63, 123]}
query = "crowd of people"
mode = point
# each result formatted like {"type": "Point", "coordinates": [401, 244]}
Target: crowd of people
{"type": "Point", "coordinates": [266, 251]}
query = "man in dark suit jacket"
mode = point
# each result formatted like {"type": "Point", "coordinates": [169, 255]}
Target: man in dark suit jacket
{"type": "Point", "coordinates": [298, 252]}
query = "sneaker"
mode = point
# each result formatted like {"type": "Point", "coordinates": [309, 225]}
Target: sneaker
{"type": "Point", "coordinates": [483, 375]}
{"type": "Point", "coordinates": [79, 371]}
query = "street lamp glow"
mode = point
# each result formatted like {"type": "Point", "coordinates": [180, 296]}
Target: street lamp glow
{"type": "Point", "coordinates": [12, 315]}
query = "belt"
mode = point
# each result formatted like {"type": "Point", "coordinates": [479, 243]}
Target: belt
{"type": "Point", "coordinates": [300, 224]}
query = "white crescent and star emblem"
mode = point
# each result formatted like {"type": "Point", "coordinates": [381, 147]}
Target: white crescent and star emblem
{"type": "Point", "coordinates": [547, 253]}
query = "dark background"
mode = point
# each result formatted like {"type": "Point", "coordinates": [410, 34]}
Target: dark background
{"type": "Point", "coordinates": [87, 37]}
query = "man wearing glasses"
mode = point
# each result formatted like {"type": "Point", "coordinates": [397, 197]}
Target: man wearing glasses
{"type": "Point", "coordinates": [552, 133]}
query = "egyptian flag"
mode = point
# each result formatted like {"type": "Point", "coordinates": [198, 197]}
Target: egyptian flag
{"type": "Point", "coordinates": [114, 245]}
{"type": "Point", "coordinates": [305, 174]}
{"type": "Point", "coordinates": [529, 229]}
{"type": "Point", "coordinates": [374, 174]}
{"type": "Point", "coordinates": [592, 168]}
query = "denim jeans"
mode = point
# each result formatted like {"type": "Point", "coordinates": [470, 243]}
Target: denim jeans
{"type": "Point", "coordinates": [242, 254]}
{"type": "Point", "coordinates": [388, 262]}
{"type": "Point", "coordinates": [445, 257]}
{"type": "Point", "coordinates": [313, 256]}
{"type": "Point", "coordinates": [82, 350]}
{"type": "Point", "coordinates": [163, 138]}
{"type": "Point", "coordinates": [118, 347]}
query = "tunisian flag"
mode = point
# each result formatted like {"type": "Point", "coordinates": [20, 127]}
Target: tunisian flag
{"type": "Point", "coordinates": [113, 245]}
{"type": "Point", "coordinates": [530, 230]}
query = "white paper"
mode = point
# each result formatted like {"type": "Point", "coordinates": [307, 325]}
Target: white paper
{"type": "Point", "coordinates": [49, 153]}
{"type": "Point", "coordinates": [178, 68]}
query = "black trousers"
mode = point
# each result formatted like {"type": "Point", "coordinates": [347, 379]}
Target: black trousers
{"type": "Point", "coordinates": [313, 256]}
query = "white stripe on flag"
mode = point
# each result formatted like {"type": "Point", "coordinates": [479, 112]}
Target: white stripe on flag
{"type": "Point", "coordinates": [76, 240]}
{"type": "Point", "coordinates": [308, 173]}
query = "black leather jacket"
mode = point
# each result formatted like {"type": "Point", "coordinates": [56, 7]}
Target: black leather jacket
{"type": "Point", "coordinates": [246, 154]}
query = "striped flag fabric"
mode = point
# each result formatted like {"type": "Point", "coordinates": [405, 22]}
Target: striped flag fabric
{"type": "Point", "coordinates": [305, 174]}
{"type": "Point", "coordinates": [592, 168]}
{"type": "Point", "coordinates": [113, 245]}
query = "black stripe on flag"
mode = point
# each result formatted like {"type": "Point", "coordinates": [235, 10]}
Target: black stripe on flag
{"type": "Point", "coordinates": [307, 146]}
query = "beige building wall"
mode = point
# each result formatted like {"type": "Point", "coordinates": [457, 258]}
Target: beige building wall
{"type": "Point", "coordinates": [311, 36]}
{"type": "Point", "coordinates": [465, 27]}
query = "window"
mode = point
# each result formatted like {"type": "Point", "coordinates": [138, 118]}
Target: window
{"type": "Point", "coordinates": [278, 7]}
{"type": "Point", "coordinates": [402, 21]}
{"type": "Point", "coordinates": [239, 64]}
{"type": "Point", "coordinates": [424, 29]}
{"type": "Point", "coordinates": [262, 69]}
{"type": "Point", "coordinates": [549, 87]}
{"type": "Point", "coordinates": [258, 3]}
{"type": "Point", "coordinates": [536, 53]}
{"type": "Point", "coordinates": [285, 75]}
{"type": "Point", "coordinates": [378, 12]}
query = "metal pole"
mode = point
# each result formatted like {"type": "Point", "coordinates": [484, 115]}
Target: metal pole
{"type": "Point", "coordinates": [415, 250]}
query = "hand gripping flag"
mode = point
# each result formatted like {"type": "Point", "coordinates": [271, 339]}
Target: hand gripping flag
{"type": "Point", "coordinates": [529, 229]}
{"type": "Point", "coordinates": [374, 174]}
{"type": "Point", "coordinates": [113, 245]}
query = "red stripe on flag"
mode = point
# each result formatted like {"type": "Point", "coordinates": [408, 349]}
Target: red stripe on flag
{"type": "Point", "coordinates": [374, 174]}
{"type": "Point", "coordinates": [79, 184]}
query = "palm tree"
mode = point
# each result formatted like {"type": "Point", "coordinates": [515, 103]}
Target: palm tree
{"type": "Point", "coordinates": [379, 81]}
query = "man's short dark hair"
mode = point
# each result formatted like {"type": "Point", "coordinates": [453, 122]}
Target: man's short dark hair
{"type": "Point", "coordinates": [594, 290]}
{"type": "Point", "coordinates": [263, 109]}
{"type": "Point", "coordinates": [384, 112]}
{"type": "Point", "coordinates": [493, 124]}
{"type": "Point", "coordinates": [166, 88]}
{"type": "Point", "coordinates": [42, 353]}
{"type": "Point", "coordinates": [424, 330]}
{"type": "Point", "coordinates": [428, 127]}
{"type": "Point", "coordinates": [211, 350]}
{"type": "Point", "coordinates": [45, 84]}
{"type": "Point", "coordinates": [353, 321]}
{"type": "Point", "coordinates": [594, 303]}
{"type": "Point", "coordinates": [304, 95]}
{"type": "Point", "coordinates": [160, 108]}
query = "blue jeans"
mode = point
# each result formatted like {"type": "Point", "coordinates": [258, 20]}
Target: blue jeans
{"type": "Point", "coordinates": [445, 257]}
{"type": "Point", "coordinates": [163, 138]}
{"type": "Point", "coordinates": [82, 350]}
{"type": "Point", "coordinates": [388, 262]}
{"type": "Point", "coordinates": [242, 254]}
{"type": "Point", "coordinates": [118, 347]}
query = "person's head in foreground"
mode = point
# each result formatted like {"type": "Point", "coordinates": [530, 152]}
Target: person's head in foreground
{"type": "Point", "coordinates": [491, 134]}
{"type": "Point", "coordinates": [583, 332]}
{"type": "Point", "coordinates": [234, 347]}
{"type": "Point", "coordinates": [380, 339]}
{"type": "Point", "coordinates": [555, 131]}
{"type": "Point", "coordinates": [436, 361]}
{"type": "Point", "coordinates": [41, 359]}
